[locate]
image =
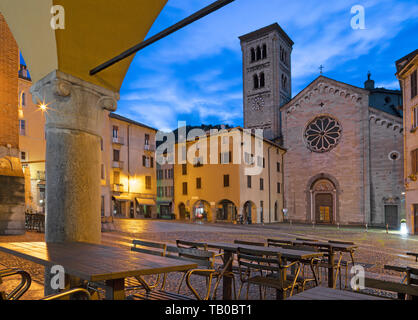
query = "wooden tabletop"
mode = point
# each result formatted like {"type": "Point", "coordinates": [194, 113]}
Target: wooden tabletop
{"type": "Point", "coordinates": [286, 253]}
{"type": "Point", "coordinates": [94, 262]}
{"type": "Point", "coordinates": [322, 293]}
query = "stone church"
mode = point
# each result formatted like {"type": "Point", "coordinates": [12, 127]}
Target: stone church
{"type": "Point", "coordinates": [344, 159]}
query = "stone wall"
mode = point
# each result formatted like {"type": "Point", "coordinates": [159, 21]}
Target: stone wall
{"type": "Point", "coordinates": [386, 165]}
{"type": "Point", "coordinates": [9, 67]}
{"type": "Point", "coordinates": [12, 197]}
{"type": "Point", "coordinates": [345, 165]}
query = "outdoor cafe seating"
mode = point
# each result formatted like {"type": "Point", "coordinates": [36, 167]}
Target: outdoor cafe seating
{"type": "Point", "coordinates": [278, 268]}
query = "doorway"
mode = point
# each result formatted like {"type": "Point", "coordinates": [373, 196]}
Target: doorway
{"type": "Point", "coordinates": [391, 216]}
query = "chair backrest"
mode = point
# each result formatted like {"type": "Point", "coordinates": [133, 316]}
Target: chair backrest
{"type": "Point", "coordinates": [341, 242]}
{"type": "Point", "coordinates": [250, 243]}
{"type": "Point", "coordinates": [191, 245]}
{"type": "Point", "coordinates": [301, 248]}
{"type": "Point", "coordinates": [143, 247]}
{"type": "Point", "coordinates": [278, 242]}
{"type": "Point", "coordinates": [201, 257]}
{"type": "Point", "coordinates": [306, 239]}
{"type": "Point", "coordinates": [256, 260]}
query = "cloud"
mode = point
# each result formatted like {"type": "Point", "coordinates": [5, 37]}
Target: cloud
{"type": "Point", "coordinates": [196, 73]}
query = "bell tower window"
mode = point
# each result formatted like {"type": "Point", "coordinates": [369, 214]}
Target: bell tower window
{"type": "Point", "coordinates": [262, 80]}
{"type": "Point", "coordinates": [256, 82]}
{"type": "Point", "coordinates": [264, 51]}
{"type": "Point", "coordinates": [258, 53]}
{"type": "Point", "coordinates": [252, 54]}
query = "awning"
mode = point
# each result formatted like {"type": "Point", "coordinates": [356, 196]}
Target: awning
{"type": "Point", "coordinates": [145, 201]}
{"type": "Point", "coordinates": [121, 198]}
{"type": "Point", "coordinates": [164, 203]}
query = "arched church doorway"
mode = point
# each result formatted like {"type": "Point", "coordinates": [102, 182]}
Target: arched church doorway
{"type": "Point", "coordinates": [323, 202]}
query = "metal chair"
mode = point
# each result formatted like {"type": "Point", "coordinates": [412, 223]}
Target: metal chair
{"type": "Point", "coordinates": [220, 271]}
{"type": "Point", "coordinates": [269, 269]}
{"type": "Point", "coordinates": [25, 283]}
{"type": "Point", "coordinates": [250, 243]}
{"type": "Point", "coordinates": [23, 286]}
{"type": "Point", "coordinates": [153, 248]}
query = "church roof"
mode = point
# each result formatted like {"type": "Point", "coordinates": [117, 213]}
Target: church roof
{"type": "Point", "coordinates": [263, 31]}
{"type": "Point", "coordinates": [319, 78]}
{"type": "Point", "coordinates": [404, 61]}
{"type": "Point", "coordinates": [376, 96]}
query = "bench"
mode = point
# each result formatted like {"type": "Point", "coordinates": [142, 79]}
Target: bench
{"type": "Point", "coordinates": [186, 250]}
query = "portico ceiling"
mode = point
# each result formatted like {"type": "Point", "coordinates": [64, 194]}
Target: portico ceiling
{"type": "Point", "coordinates": [95, 31]}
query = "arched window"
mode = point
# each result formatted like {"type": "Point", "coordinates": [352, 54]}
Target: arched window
{"type": "Point", "coordinates": [23, 99]}
{"type": "Point", "coordinates": [256, 82]}
{"type": "Point", "coordinates": [258, 53]}
{"type": "Point", "coordinates": [264, 51]}
{"type": "Point", "coordinates": [252, 54]}
{"type": "Point", "coordinates": [284, 81]}
{"type": "Point", "coordinates": [262, 80]}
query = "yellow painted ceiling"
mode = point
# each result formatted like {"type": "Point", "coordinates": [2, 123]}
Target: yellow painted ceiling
{"type": "Point", "coordinates": [95, 31]}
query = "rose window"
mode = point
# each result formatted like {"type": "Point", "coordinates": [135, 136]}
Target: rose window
{"type": "Point", "coordinates": [322, 134]}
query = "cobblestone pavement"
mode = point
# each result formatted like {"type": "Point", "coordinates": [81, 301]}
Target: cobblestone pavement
{"type": "Point", "coordinates": [376, 247]}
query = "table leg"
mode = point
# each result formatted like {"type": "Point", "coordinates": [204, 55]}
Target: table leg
{"type": "Point", "coordinates": [115, 289]}
{"type": "Point", "coordinates": [227, 281]}
{"type": "Point", "coordinates": [331, 268]}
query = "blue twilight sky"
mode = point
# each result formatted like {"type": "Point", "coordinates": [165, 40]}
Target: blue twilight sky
{"type": "Point", "coordinates": [195, 75]}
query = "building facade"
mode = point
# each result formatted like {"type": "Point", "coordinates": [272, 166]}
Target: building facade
{"type": "Point", "coordinates": [407, 74]}
{"type": "Point", "coordinates": [32, 144]}
{"type": "Point", "coordinates": [221, 189]}
{"type": "Point", "coordinates": [165, 191]}
{"type": "Point", "coordinates": [128, 171]}
{"type": "Point", "coordinates": [344, 163]}
{"type": "Point", "coordinates": [12, 180]}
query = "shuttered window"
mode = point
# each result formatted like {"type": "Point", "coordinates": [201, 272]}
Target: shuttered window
{"type": "Point", "coordinates": [414, 161]}
{"type": "Point", "coordinates": [414, 87]}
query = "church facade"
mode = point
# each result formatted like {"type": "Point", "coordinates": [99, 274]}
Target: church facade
{"type": "Point", "coordinates": [344, 163]}
{"type": "Point", "coordinates": [344, 159]}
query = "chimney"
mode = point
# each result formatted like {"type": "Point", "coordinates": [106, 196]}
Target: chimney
{"type": "Point", "coordinates": [369, 84]}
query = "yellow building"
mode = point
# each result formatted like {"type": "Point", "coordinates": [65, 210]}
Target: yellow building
{"type": "Point", "coordinates": [223, 181]}
{"type": "Point", "coordinates": [128, 168]}
{"type": "Point", "coordinates": [407, 70]}
{"type": "Point", "coordinates": [32, 144]}
{"type": "Point", "coordinates": [128, 171]}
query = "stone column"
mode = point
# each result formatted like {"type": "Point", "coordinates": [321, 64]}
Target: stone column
{"type": "Point", "coordinates": [74, 120]}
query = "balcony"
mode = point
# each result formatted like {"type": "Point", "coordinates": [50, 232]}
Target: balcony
{"type": "Point", "coordinates": [149, 147]}
{"type": "Point", "coordinates": [118, 187]}
{"type": "Point", "coordinates": [117, 164]}
{"type": "Point", "coordinates": [118, 140]}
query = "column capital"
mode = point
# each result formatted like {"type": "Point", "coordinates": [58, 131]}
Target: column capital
{"type": "Point", "coordinates": [73, 103]}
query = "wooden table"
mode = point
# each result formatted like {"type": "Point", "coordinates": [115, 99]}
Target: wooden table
{"type": "Point", "coordinates": [230, 249]}
{"type": "Point", "coordinates": [322, 293]}
{"type": "Point", "coordinates": [95, 263]}
{"type": "Point", "coordinates": [331, 249]}
{"type": "Point", "coordinates": [413, 254]}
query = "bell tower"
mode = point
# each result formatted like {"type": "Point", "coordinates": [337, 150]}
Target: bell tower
{"type": "Point", "coordinates": [267, 78]}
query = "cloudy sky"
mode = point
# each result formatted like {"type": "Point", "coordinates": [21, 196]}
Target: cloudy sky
{"type": "Point", "coordinates": [195, 75]}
